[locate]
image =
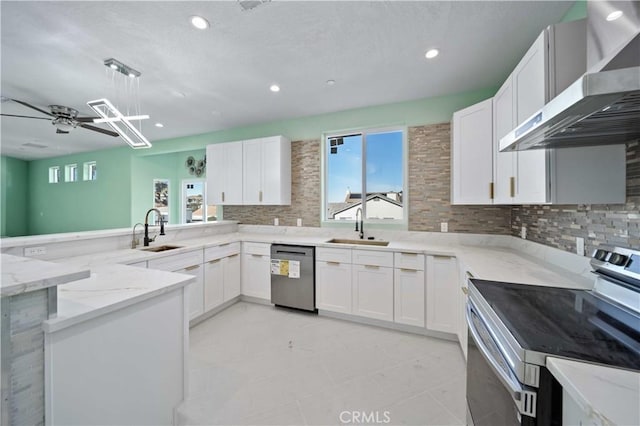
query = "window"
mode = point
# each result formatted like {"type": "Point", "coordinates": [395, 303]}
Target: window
{"type": "Point", "coordinates": [89, 171]}
{"type": "Point", "coordinates": [365, 170]}
{"type": "Point", "coordinates": [71, 173]}
{"type": "Point", "coordinates": [54, 174]}
{"type": "Point", "coordinates": [194, 203]}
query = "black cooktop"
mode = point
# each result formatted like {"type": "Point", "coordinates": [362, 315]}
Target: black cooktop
{"type": "Point", "coordinates": [565, 322]}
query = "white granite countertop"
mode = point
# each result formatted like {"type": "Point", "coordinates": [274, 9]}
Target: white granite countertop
{"type": "Point", "coordinates": [485, 262]}
{"type": "Point", "coordinates": [610, 396]}
{"type": "Point", "coordinates": [23, 274]}
{"type": "Point", "coordinates": [110, 288]}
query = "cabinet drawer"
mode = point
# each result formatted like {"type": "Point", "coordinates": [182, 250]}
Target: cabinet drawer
{"type": "Point", "coordinates": [341, 255]}
{"type": "Point", "coordinates": [177, 262]}
{"type": "Point", "coordinates": [373, 258]}
{"type": "Point", "coordinates": [223, 250]}
{"type": "Point", "coordinates": [142, 264]}
{"type": "Point", "coordinates": [257, 248]}
{"type": "Point", "coordinates": [405, 260]}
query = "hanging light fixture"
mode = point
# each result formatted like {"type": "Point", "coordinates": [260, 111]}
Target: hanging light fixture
{"type": "Point", "coordinates": [114, 118]}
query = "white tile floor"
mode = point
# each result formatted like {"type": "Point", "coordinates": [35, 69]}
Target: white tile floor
{"type": "Point", "coordinates": [259, 365]}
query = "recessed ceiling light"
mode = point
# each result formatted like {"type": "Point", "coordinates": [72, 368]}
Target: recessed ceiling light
{"type": "Point", "coordinates": [432, 53]}
{"type": "Point", "coordinates": [159, 125]}
{"type": "Point", "coordinates": [274, 88]}
{"type": "Point", "coordinates": [614, 15]}
{"type": "Point", "coordinates": [199, 22]}
{"type": "Point", "coordinates": [331, 82]}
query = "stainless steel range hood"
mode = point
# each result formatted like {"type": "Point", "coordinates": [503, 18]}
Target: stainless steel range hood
{"type": "Point", "coordinates": [600, 108]}
{"type": "Point", "coordinates": [603, 106]}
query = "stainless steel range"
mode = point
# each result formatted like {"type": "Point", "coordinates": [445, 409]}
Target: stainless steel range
{"type": "Point", "coordinates": [514, 327]}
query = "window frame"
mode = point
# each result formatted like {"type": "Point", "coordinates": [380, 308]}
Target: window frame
{"type": "Point", "coordinates": [86, 170]}
{"type": "Point", "coordinates": [54, 171]}
{"type": "Point", "coordinates": [399, 224]}
{"type": "Point", "coordinates": [67, 172]}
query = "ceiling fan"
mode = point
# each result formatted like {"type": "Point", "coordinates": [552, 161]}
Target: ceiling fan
{"type": "Point", "coordinates": [63, 118]}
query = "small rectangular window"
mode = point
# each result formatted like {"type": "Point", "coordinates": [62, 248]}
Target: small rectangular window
{"type": "Point", "coordinates": [54, 174]}
{"type": "Point", "coordinates": [89, 172]}
{"type": "Point", "coordinates": [71, 173]}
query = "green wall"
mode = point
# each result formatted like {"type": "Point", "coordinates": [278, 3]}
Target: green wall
{"type": "Point", "coordinates": [123, 190]}
{"type": "Point", "coordinates": [577, 11]}
{"type": "Point", "coordinates": [13, 197]}
{"type": "Point", "coordinates": [83, 205]}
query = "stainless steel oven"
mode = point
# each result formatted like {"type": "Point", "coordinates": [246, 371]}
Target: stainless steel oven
{"type": "Point", "coordinates": [513, 328]}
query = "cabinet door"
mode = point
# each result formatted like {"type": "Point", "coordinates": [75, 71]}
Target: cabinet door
{"type": "Point", "coordinates": [503, 122]}
{"type": "Point", "coordinates": [252, 171]}
{"type": "Point", "coordinates": [196, 290]}
{"type": "Point", "coordinates": [215, 173]}
{"type": "Point", "coordinates": [531, 85]}
{"type": "Point", "coordinates": [373, 291]}
{"type": "Point", "coordinates": [224, 173]}
{"type": "Point", "coordinates": [472, 152]}
{"type": "Point", "coordinates": [442, 294]}
{"type": "Point", "coordinates": [256, 276]}
{"type": "Point", "coordinates": [232, 173]}
{"type": "Point", "coordinates": [333, 286]}
{"type": "Point", "coordinates": [231, 279]}
{"type": "Point", "coordinates": [276, 170]}
{"type": "Point", "coordinates": [408, 287]}
{"type": "Point", "coordinates": [213, 284]}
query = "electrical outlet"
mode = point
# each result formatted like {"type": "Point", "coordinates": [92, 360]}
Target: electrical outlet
{"type": "Point", "coordinates": [580, 246]}
{"type": "Point", "coordinates": [444, 227]}
{"type": "Point", "coordinates": [523, 232]}
{"type": "Point", "coordinates": [35, 251]}
{"type": "Point", "coordinates": [276, 222]}
{"type": "Point", "coordinates": [299, 222]}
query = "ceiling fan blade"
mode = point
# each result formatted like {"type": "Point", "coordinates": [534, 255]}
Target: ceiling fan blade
{"type": "Point", "coordinates": [33, 107]}
{"type": "Point", "coordinates": [26, 116]}
{"type": "Point", "coordinates": [98, 129]}
{"type": "Point", "coordinates": [61, 131]}
{"type": "Point", "coordinates": [85, 119]}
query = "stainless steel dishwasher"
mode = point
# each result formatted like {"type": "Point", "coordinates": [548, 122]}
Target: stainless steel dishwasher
{"type": "Point", "coordinates": [293, 276]}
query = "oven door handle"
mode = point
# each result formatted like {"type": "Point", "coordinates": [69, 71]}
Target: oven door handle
{"type": "Point", "coordinates": [509, 382]}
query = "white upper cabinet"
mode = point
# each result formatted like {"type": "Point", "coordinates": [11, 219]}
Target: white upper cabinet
{"type": "Point", "coordinates": [224, 173]}
{"type": "Point", "coordinates": [251, 172]}
{"type": "Point", "coordinates": [267, 171]}
{"type": "Point", "coordinates": [504, 167]}
{"type": "Point", "coordinates": [472, 155]}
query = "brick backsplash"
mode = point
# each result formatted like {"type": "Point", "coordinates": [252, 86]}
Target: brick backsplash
{"type": "Point", "coordinates": [429, 193]}
{"type": "Point", "coordinates": [305, 192]}
{"type": "Point", "coordinates": [429, 187]}
{"type": "Point", "coordinates": [559, 225]}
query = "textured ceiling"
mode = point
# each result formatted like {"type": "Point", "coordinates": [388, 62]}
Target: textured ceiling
{"type": "Point", "coordinates": [199, 81]}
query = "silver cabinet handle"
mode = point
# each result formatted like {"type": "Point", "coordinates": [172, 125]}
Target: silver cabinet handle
{"type": "Point", "coordinates": [372, 266]}
{"type": "Point", "coordinates": [332, 263]}
{"type": "Point", "coordinates": [191, 268]}
{"type": "Point", "coordinates": [215, 260]}
{"type": "Point", "coordinates": [465, 291]}
{"type": "Point", "coordinates": [408, 270]}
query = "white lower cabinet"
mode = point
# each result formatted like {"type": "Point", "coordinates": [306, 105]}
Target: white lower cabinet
{"type": "Point", "coordinates": [196, 290]}
{"type": "Point", "coordinates": [442, 294]}
{"type": "Point", "coordinates": [189, 263]}
{"type": "Point", "coordinates": [213, 284]}
{"type": "Point", "coordinates": [408, 287]}
{"type": "Point", "coordinates": [256, 270]}
{"type": "Point", "coordinates": [333, 286]}
{"type": "Point", "coordinates": [231, 277]}
{"type": "Point", "coordinates": [372, 291]}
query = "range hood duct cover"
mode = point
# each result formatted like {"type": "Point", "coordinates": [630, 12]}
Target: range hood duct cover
{"type": "Point", "coordinates": [600, 108]}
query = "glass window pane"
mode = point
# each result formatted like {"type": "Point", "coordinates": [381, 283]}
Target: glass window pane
{"type": "Point", "coordinates": [54, 174]}
{"type": "Point", "coordinates": [344, 177]}
{"type": "Point", "coordinates": [384, 177]}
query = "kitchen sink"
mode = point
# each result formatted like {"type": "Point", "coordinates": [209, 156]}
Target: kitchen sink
{"type": "Point", "coordinates": [161, 248]}
{"type": "Point", "coordinates": [359, 242]}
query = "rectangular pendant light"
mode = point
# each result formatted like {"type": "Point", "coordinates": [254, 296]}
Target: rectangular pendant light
{"type": "Point", "coordinates": [114, 119]}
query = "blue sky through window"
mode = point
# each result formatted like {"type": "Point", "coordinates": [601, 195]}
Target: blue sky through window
{"type": "Point", "coordinates": [383, 165]}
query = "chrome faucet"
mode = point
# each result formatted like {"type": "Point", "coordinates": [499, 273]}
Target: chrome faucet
{"type": "Point", "coordinates": [361, 223]}
{"type": "Point", "coordinates": [147, 240]}
{"type": "Point", "coordinates": [134, 240]}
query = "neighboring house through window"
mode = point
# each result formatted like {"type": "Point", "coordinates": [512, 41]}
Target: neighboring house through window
{"type": "Point", "coordinates": [365, 170]}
